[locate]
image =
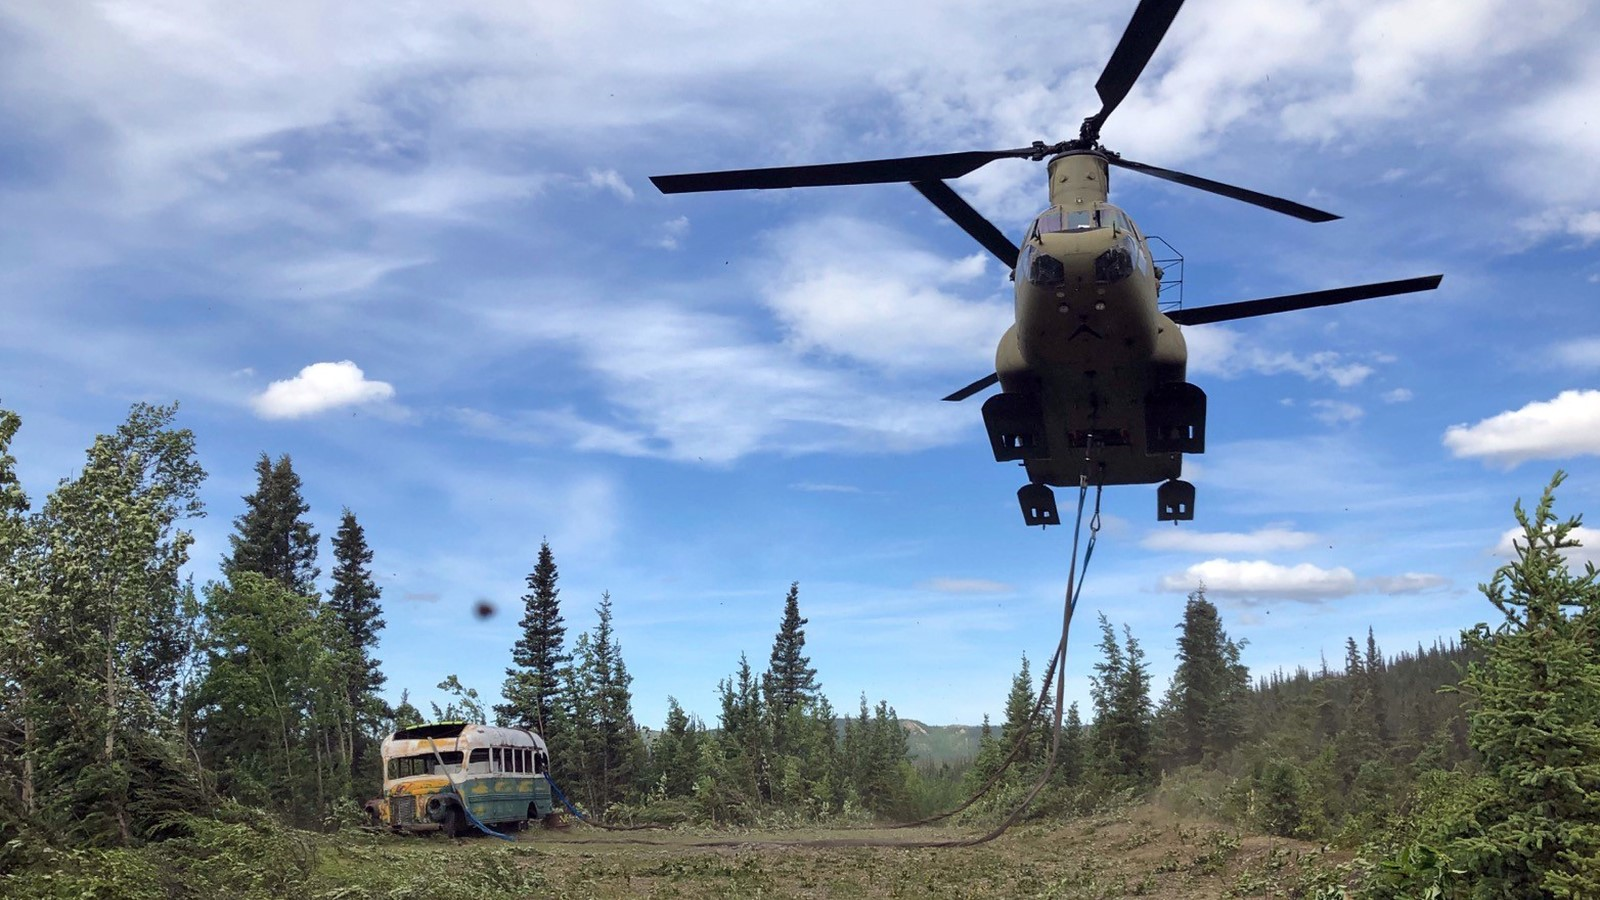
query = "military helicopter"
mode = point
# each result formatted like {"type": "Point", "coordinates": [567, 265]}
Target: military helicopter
{"type": "Point", "coordinates": [1092, 374]}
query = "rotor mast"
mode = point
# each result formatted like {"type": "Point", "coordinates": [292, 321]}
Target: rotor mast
{"type": "Point", "coordinates": [1079, 178]}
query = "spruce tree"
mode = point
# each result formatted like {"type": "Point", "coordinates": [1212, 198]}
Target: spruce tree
{"type": "Point", "coordinates": [532, 686]}
{"type": "Point", "coordinates": [744, 739]}
{"type": "Point", "coordinates": [1070, 761]}
{"type": "Point", "coordinates": [1019, 718]}
{"type": "Point", "coordinates": [271, 537]}
{"type": "Point", "coordinates": [355, 620]}
{"type": "Point", "coordinates": [675, 756]}
{"type": "Point", "coordinates": [1203, 710]}
{"type": "Point", "coordinates": [1535, 829]}
{"type": "Point", "coordinates": [789, 682]}
{"type": "Point", "coordinates": [1120, 689]}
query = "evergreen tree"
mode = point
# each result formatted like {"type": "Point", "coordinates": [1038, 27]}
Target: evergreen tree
{"type": "Point", "coordinates": [612, 752]}
{"type": "Point", "coordinates": [1120, 689]}
{"type": "Point", "coordinates": [1070, 762]}
{"type": "Point", "coordinates": [1019, 719]}
{"type": "Point", "coordinates": [675, 756]}
{"type": "Point", "coordinates": [271, 536]}
{"type": "Point", "coordinates": [254, 709]}
{"type": "Point", "coordinates": [1534, 828]}
{"type": "Point", "coordinates": [532, 683]}
{"type": "Point", "coordinates": [744, 738]}
{"type": "Point", "coordinates": [1204, 705]}
{"type": "Point", "coordinates": [355, 620]}
{"type": "Point", "coordinates": [790, 680]}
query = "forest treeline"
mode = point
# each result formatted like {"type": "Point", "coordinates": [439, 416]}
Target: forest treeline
{"type": "Point", "coordinates": [136, 706]}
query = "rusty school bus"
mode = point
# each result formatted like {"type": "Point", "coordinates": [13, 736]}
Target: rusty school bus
{"type": "Point", "coordinates": [499, 771]}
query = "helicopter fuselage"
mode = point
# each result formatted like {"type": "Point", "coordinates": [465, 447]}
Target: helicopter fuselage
{"type": "Point", "coordinates": [1090, 343]}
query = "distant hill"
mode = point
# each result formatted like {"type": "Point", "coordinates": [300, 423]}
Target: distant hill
{"type": "Point", "coordinates": [941, 743]}
{"type": "Point", "coordinates": [933, 744]}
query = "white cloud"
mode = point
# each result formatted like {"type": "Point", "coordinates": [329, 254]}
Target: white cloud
{"type": "Point", "coordinates": [968, 586]}
{"type": "Point", "coordinates": [1579, 353]}
{"type": "Point", "coordinates": [1567, 426]}
{"type": "Point", "coordinates": [1587, 551]}
{"type": "Point", "coordinates": [857, 289]}
{"type": "Point", "coordinates": [1265, 540]}
{"type": "Point", "coordinates": [1256, 580]}
{"type": "Point", "coordinates": [1336, 412]}
{"type": "Point", "coordinates": [608, 180]}
{"type": "Point", "coordinates": [823, 488]}
{"type": "Point", "coordinates": [673, 231]}
{"type": "Point", "coordinates": [700, 386]}
{"type": "Point", "coordinates": [1398, 395]}
{"type": "Point", "coordinates": [1217, 350]}
{"type": "Point", "coordinates": [318, 388]}
{"type": "Point", "coordinates": [1583, 224]}
{"type": "Point", "coordinates": [1409, 583]}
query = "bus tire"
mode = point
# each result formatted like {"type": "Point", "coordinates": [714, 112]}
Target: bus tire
{"type": "Point", "coordinates": [450, 821]}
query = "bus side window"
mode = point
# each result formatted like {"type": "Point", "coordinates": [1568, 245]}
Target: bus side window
{"type": "Point", "coordinates": [522, 760]}
{"type": "Point", "coordinates": [497, 759]}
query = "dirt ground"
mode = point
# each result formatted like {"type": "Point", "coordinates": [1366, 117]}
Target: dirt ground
{"type": "Point", "coordinates": [1145, 851]}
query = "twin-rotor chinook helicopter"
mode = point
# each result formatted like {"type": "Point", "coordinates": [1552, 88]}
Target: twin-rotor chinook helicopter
{"type": "Point", "coordinates": [1092, 374]}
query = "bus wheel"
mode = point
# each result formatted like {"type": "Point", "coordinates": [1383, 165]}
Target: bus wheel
{"type": "Point", "coordinates": [451, 822]}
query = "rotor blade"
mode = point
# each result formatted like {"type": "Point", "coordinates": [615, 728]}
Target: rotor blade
{"type": "Point", "coordinates": [870, 171]}
{"type": "Point", "coordinates": [1227, 312]}
{"type": "Point", "coordinates": [1139, 41]}
{"type": "Point", "coordinates": [1267, 201]}
{"type": "Point", "coordinates": [970, 220]}
{"type": "Point", "coordinates": [976, 386]}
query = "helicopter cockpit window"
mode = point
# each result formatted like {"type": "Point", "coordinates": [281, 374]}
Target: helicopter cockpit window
{"type": "Point", "coordinates": [1049, 222]}
{"type": "Point", "coordinates": [1082, 220]}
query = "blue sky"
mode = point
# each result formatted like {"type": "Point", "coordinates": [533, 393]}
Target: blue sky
{"type": "Point", "coordinates": [413, 246]}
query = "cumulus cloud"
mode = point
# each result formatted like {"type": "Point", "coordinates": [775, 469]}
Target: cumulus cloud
{"type": "Point", "coordinates": [318, 388]}
{"type": "Point", "coordinates": [967, 586]}
{"type": "Point", "coordinates": [1398, 395]}
{"type": "Point", "coordinates": [1265, 540]}
{"type": "Point", "coordinates": [1587, 551]}
{"type": "Point", "coordinates": [1255, 580]}
{"type": "Point", "coordinates": [1567, 426]}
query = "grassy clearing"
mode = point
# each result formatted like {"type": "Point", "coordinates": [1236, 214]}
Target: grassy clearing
{"type": "Point", "coordinates": [1145, 851]}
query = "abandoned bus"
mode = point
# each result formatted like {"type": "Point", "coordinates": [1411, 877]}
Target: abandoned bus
{"type": "Point", "coordinates": [428, 769]}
